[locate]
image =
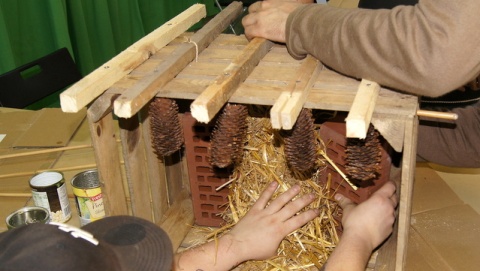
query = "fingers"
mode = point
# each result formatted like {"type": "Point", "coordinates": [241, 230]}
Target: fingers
{"type": "Point", "coordinates": [388, 191]}
{"type": "Point", "coordinates": [344, 202]}
{"type": "Point", "coordinates": [292, 208]}
{"type": "Point", "coordinates": [265, 197]}
{"type": "Point", "coordinates": [283, 199]}
{"type": "Point", "coordinates": [301, 219]}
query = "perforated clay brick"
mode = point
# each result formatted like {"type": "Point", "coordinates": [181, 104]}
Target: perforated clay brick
{"type": "Point", "coordinates": [333, 134]}
{"type": "Point", "coordinates": [204, 178]}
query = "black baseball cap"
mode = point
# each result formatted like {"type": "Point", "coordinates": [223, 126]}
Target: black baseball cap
{"type": "Point", "coordinates": [111, 243]}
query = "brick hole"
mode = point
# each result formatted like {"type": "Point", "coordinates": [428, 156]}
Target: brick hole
{"type": "Point", "coordinates": [216, 198]}
{"type": "Point", "coordinates": [198, 149]}
{"type": "Point", "coordinates": [200, 178]}
{"type": "Point", "coordinates": [208, 207]}
{"type": "Point", "coordinates": [203, 169]}
{"type": "Point", "coordinates": [198, 158]}
{"type": "Point", "coordinates": [203, 197]}
{"type": "Point", "coordinates": [204, 188]}
{"type": "Point", "coordinates": [214, 179]}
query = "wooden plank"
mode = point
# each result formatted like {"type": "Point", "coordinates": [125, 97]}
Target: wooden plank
{"type": "Point", "coordinates": [133, 99]}
{"type": "Point", "coordinates": [360, 114]}
{"type": "Point", "coordinates": [178, 220]}
{"type": "Point", "coordinates": [109, 168]}
{"type": "Point", "coordinates": [406, 189]}
{"type": "Point", "coordinates": [391, 127]}
{"type": "Point", "coordinates": [155, 171]}
{"type": "Point", "coordinates": [136, 167]}
{"type": "Point", "coordinates": [331, 91]}
{"type": "Point", "coordinates": [91, 86]}
{"type": "Point", "coordinates": [211, 100]}
{"type": "Point", "coordinates": [286, 109]}
{"type": "Point", "coordinates": [102, 106]}
{"type": "Point", "coordinates": [174, 175]}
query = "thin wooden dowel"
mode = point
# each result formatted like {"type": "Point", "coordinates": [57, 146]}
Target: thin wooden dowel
{"type": "Point", "coordinates": [437, 114]}
{"type": "Point", "coordinates": [22, 195]}
{"type": "Point", "coordinates": [21, 174]}
{"type": "Point", "coordinates": [43, 151]}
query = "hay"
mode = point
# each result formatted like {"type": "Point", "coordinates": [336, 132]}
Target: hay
{"type": "Point", "coordinates": [307, 248]}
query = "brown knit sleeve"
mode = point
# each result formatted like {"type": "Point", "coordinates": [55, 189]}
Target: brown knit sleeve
{"type": "Point", "coordinates": [428, 49]}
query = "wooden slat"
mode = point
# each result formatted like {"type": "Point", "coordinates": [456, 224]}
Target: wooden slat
{"type": "Point", "coordinates": [155, 171]}
{"type": "Point", "coordinates": [178, 220]}
{"type": "Point", "coordinates": [136, 167]}
{"type": "Point", "coordinates": [91, 86]}
{"type": "Point", "coordinates": [286, 109]}
{"type": "Point", "coordinates": [211, 100]}
{"type": "Point", "coordinates": [133, 99]}
{"type": "Point", "coordinates": [406, 190]}
{"type": "Point", "coordinates": [360, 114]}
{"type": "Point", "coordinates": [109, 168]}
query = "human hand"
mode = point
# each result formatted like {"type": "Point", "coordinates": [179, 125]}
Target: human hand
{"type": "Point", "coordinates": [259, 233]}
{"type": "Point", "coordinates": [267, 19]}
{"type": "Point", "coordinates": [372, 220]}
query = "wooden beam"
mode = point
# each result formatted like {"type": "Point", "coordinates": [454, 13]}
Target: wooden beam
{"type": "Point", "coordinates": [212, 99]}
{"type": "Point", "coordinates": [131, 133]}
{"type": "Point", "coordinates": [155, 170]}
{"type": "Point", "coordinates": [361, 112]}
{"type": "Point", "coordinates": [406, 190]}
{"type": "Point", "coordinates": [178, 220]}
{"type": "Point", "coordinates": [138, 95]}
{"type": "Point", "coordinates": [91, 86]}
{"type": "Point", "coordinates": [109, 167]}
{"type": "Point", "coordinates": [287, 107]}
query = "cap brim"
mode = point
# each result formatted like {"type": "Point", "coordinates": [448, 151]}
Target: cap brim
{"type": "Point", "coordinates": [139, 244]}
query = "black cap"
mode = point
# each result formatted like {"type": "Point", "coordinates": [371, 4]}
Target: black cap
{"type": "Point", "coordinates": [111, 243]}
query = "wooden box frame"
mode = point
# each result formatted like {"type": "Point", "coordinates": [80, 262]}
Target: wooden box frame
{"type": "Point", "coordinates": [158, 189]}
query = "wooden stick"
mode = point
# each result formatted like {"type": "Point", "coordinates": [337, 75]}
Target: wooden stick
{"type": "Point", "coordinates": [50, 150]}
{"type": "Point", "coordinates": [137, 96]}
{"type": "Point", "coordinates": [338, 170]}
{"type": "Point", "coordinates": [360, 115]}
{"type": "Point", "coordinates": [30, 173]}
{"type": "Point", "coordinates": [212, 99]}
{"type": "Point", "coordinates": [286, 109]}
{"type": "Point", "coordinates": [94, 84]}
{"type": "Point", "coordinates": [23, 195]}
{"type": "Point", "coordinates": [437, 115]}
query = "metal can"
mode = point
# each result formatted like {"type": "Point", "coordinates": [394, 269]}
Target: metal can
{"type": "Point", "coordinates": [27, 215]}
{"type": "Point", "coordinates": [88, 195]}
{"type": "Point", "coordinates": [50, 192]}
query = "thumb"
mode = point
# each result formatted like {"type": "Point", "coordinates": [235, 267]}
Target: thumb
{"type": "Point", "coordinates": [344, 202]}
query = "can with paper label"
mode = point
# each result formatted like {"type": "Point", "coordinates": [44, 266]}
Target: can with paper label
{"type": "Point", "coordinates": [88, 195]}
{"type": "Point", "coordinates": [50, 192]}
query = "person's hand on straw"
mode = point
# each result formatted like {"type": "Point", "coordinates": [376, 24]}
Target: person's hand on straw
{"type": "Point", "coordinates": [365, 227]}
{"type": "Point", "coordinates": [256, 236]}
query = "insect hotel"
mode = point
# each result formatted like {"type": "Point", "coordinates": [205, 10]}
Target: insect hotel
{"type": "Point", "coordinates": [207, 119]}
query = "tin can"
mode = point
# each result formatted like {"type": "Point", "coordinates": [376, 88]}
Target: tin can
{"type": "Point", "coordinates": [88, 195]}
{"type": "Point", "coordinates": [27, 215]}
{"type": "Point", "coordinates": [50, 192]}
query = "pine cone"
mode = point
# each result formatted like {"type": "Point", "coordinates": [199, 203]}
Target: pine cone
{"type": "Point", "coordinates": [228, 136]}
{"type": "Point", "coordinates": [166, 130]}
{"type": "Point", "coordinates": [363, 156]}
{"type": "Point", "coordinates": [300, 143]}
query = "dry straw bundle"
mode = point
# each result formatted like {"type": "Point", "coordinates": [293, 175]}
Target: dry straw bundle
{"type": "Point", "coordinates": [307, 248]}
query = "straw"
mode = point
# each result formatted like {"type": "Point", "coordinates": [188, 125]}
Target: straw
{"type": "Point", "coordinates": [307, 248]}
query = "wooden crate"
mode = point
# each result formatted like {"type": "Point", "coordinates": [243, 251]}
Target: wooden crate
{"type": "Point", "coordinates": [186, 68]}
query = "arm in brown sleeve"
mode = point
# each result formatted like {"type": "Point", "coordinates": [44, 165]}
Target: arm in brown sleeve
{"type": "Point", "coordinates": [428, 49]}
